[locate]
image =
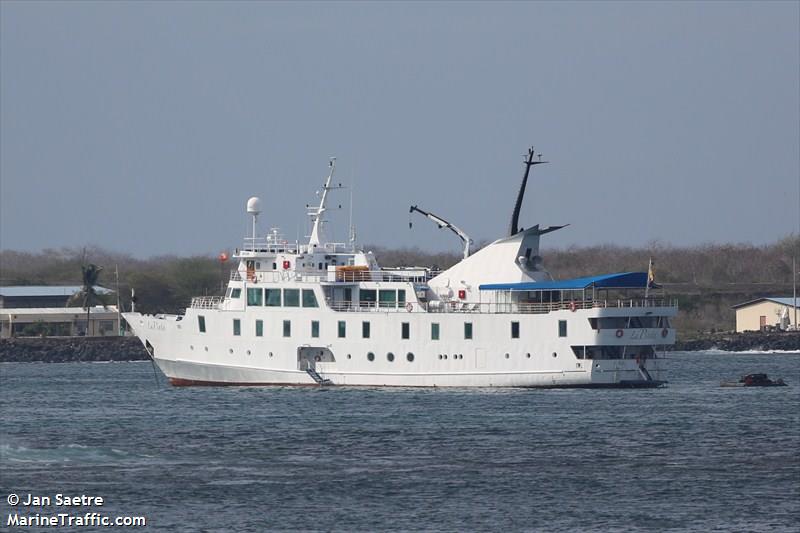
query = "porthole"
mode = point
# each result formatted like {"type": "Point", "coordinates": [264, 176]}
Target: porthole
{"type": "Point", "coordinates": [230, 350]}
{"type": "Point", "coordinates": [410, 357]}
{"type": "Point", "coordinates": [440, 356]}
{"type": "Point", "coordinates": [461, 356]}
{"type": "Point", "coordinates": [555, 354]}
{"type": "Point", "coordinates": [348, 356]}
{"type": "Point", "coordinates": [270, 354]}
{"type": "Point", "coordinates": [248, 352]}
{"type": "Point", "coordinates": [191, 347]}
{"type": "Point", "coordinates": [507, 356]}
{"type": "Point", "coordinates": [390, 356]}
{"type": "Point", "coordinates": [528, 355]}
{"type": "Point", "coordinates": [445, 356]}
{"type": "Point", "coordinates": [370, 356]}
{"type": "Point", "coordinates": [206, 348]}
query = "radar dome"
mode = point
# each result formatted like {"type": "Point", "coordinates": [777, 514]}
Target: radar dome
{"type": "Point", "coordinates": [254, 205]}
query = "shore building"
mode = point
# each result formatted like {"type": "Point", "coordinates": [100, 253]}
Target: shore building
{"type": "Point", "coordinates": [767, 313]}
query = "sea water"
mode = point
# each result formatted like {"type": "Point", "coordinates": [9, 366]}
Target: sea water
{"type": "Point", "coordinates": [688, 456]}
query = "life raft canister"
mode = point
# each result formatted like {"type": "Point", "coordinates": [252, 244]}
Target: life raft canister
{"type": "Point", "coordinates": [620, 333]}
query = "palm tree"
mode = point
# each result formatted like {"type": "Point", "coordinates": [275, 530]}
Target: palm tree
{"type": "Point", "coordinates": [87, 295]}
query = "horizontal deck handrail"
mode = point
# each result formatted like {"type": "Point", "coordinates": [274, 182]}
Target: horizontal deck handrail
{"type": "Point", "coordinates": [498, 308]}
{"type": "Point", "coordinates": [206, 302]}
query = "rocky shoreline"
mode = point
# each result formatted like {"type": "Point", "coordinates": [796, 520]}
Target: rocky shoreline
{"type": "Point", "coordinates": [87, 349]}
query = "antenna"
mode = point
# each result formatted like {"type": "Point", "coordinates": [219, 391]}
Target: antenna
{"type": "Point", "coordinates": [529, 162]}
{"type": "Point", "coordinates": [352, 227]}
{"type": "Point", "coordinates": [254, 209]}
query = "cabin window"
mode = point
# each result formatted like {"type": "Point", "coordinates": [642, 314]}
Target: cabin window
{"type": "Point", "coordinates": [401, 297]}
{"type": "Point", "coordinates": [390, 357]}
{"type": "Point", "coordinates": [236, 293]}
{"type": "Point", "coordinates": [291, 297]}
{"type": "Point", "coordinates": [237, 326]}
{"type": "Point", "coordinates": [435, 331]}
{"type": "Point", "coordinates": [315, 328]}
{"type": "Point", "coordinates": [410, 357]}
{"type": "Point", "coordinates": [405, 330]}
{"type": "Point", "coordinates": [319, 266]}
{"type": "Point", "coordinates": [342, 329]}
{"type": "Point", "coordinates": [468, 330]}
{"type": "Point", "coordinates": [287, 328]}
{"type": "Point", "coordinates": [368, 297]}
{"type": "Point", "coordinates": [255, 296]}
{"type": "Point", "coordinates": [515, 330]}
{"type": "Point", "coordinates": [348, 294]}
{"type": "Point", "coordinates": [562, 328]}
{"type": "Point", "coordinates": [309, 298]}
{"type": "Point", "coordinates": [365, 330]}
{"type": "Point", "coordinates": [273, 297]}
{"type": "Point", "coordinates": [259, 328]}
{"type": "Point", "coordinates": [201, 323]}
{"type": "Point", "coordinates": [387, 298]}
{"type": "Point", "coordinates": [370, 356]}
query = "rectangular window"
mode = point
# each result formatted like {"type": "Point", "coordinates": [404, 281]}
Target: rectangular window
{"type": "Point", "coordinates": [273, 297]}
{"type": "Point", "coordinates": [365, 330]}
{"type": "Point", "coordinates": [315, 328]}
{"type": "Point", "coordinates": [259, 328]}
{"type": "Point", "coordinates": [401, 297]}
{"type": "Point", "coordinates": [468, 330]}
{"type": "Point", "coordinates": [515, 330]}
{"type": "Point", "coordinates": [405, 330]}
{"type": "Point", "coordinates": [342, 329]}
{"type": "Point", "coordinates": [201, 323]}
{"type": "Point", "coordinates": [255, 296]}
{"type": "Point", "coordinates": [348, 294]}
{"type": "Point", "coordinates": [287, 328]}
{"type": "Point", "coordinates": [309, 298]}
{"type": "Point", "coordinates": [387, 298]}
{"type": "Point", "coordinates": [291, 297]}
{"type": "Point", "coordinates": [237, 326]}
{"type": "Point", "coordinates": [236, 293]}
{"type": "Point", "coordinates": [562, 328]}
{"type": "Point", "coordinates": [368, 297]}
{"type": "Point", "coordinates": [435, 331]}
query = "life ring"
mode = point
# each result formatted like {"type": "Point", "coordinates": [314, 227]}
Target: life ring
{"type": "Point", "coordinates": [620, 333]}
{"type": "Point", "coordinates": [409, 307]}
{"type": "Point", "coordinates": [664, 332]}
{"type": "Point", "coordinates": [573, 306]}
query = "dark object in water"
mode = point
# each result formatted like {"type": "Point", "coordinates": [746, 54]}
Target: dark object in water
{"type": "Point", "coordinates": [754, 380]}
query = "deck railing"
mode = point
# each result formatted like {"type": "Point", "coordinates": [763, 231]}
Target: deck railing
{"type": "Point", "coordinates": [206, 302]}
{"type": "Point", "coordinates": [496, 308]}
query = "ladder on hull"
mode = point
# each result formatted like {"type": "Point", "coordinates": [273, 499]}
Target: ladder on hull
{"type": "Point", "coordinates": [644, 373]}
{"type": "Point", "coordinates": [319, 379]}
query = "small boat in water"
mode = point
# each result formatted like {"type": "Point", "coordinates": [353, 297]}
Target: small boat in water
{"type": "Point", "coordinates": [754, 380]}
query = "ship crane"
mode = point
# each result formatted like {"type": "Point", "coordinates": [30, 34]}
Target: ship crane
{"type": "Point", "coordinates": [442, 223]}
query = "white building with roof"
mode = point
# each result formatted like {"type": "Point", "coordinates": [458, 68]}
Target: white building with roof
{"type": "Point", "coordinates": [767, 312]}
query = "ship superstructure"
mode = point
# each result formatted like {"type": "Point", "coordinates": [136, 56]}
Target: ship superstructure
{"type": "Point", "coordinates": [326, 313]}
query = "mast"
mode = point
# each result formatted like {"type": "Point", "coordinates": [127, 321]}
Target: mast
{"type": "Point", "coordinates": [316, 216]}
{"type": "Point", "coordinates": [529, 162]}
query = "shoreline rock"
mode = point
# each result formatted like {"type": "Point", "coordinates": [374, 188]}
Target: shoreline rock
{"type": "Point", "coordinates": [740, 342]}
{"type": "Point", "coordinates": [71, 349]}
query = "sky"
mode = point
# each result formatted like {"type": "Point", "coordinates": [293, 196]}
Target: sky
{"type": "Point", "coordinates": [145, 127]}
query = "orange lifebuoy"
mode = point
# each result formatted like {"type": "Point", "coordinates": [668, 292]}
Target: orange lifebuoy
{"type": "Point", "coordinates": [409, 307]}
{"type": "Point", "coordinates": [573, 306]}
{"type": "Point", "coordinates": [620, 333]}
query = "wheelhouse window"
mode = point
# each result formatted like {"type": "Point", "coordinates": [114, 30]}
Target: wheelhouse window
{"type": "Point", "coordinates": [315, 328]}
{"type": "Point", "coordinates": [562, 328]}
{"type": "Point", "coordinates": [236, 293]}
{"type": "Point", "coordinates": [255, 297]}
{"type": "Point", "coordinates": [237, 326]}
{"type": "Point", "coordinates": [201, 324]}
{"type": "Point", "coordinates": [273, 297]}
{"type": "Point", "coordinates": [259, 328]}
{"type": "Point", "coordinates": [287, 328]}
{"type": "Point", "coordinates": [365, 330]}
{"type": "Point", "coordinates": [405, 330]}
{"type": "Point", "coordinates": [401, 297]}
{"type": "Point", "coordinates": [468, 330]}
{"type": "Point", "coordinates": [435, 331]}
{"type": "Point", "coordinates": [515, 330]}
{"type": "Point", "coordinates": [309, 298]}
{"type": "Point", "coordinates": [342, 329]}
{"type": "Point", "coordinates": [387, 298]}
{"type": "Point", "coordinates": [291, 297]}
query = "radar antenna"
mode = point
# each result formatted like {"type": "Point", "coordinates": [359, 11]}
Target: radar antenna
{"type": "Point", "coordinates": [529, 162]}
{"type": "Point", "coordinates": [442, 223]}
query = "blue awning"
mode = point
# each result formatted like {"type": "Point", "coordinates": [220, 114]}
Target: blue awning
{"type": "Point", "coordinates": [624, 280]}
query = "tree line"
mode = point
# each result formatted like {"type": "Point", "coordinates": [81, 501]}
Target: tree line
{"type": "Point", "coordinates": [707, 279]}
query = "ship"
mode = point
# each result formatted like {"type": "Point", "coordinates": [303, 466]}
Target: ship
{"type": "Point", "coordinates": [322, 313]}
